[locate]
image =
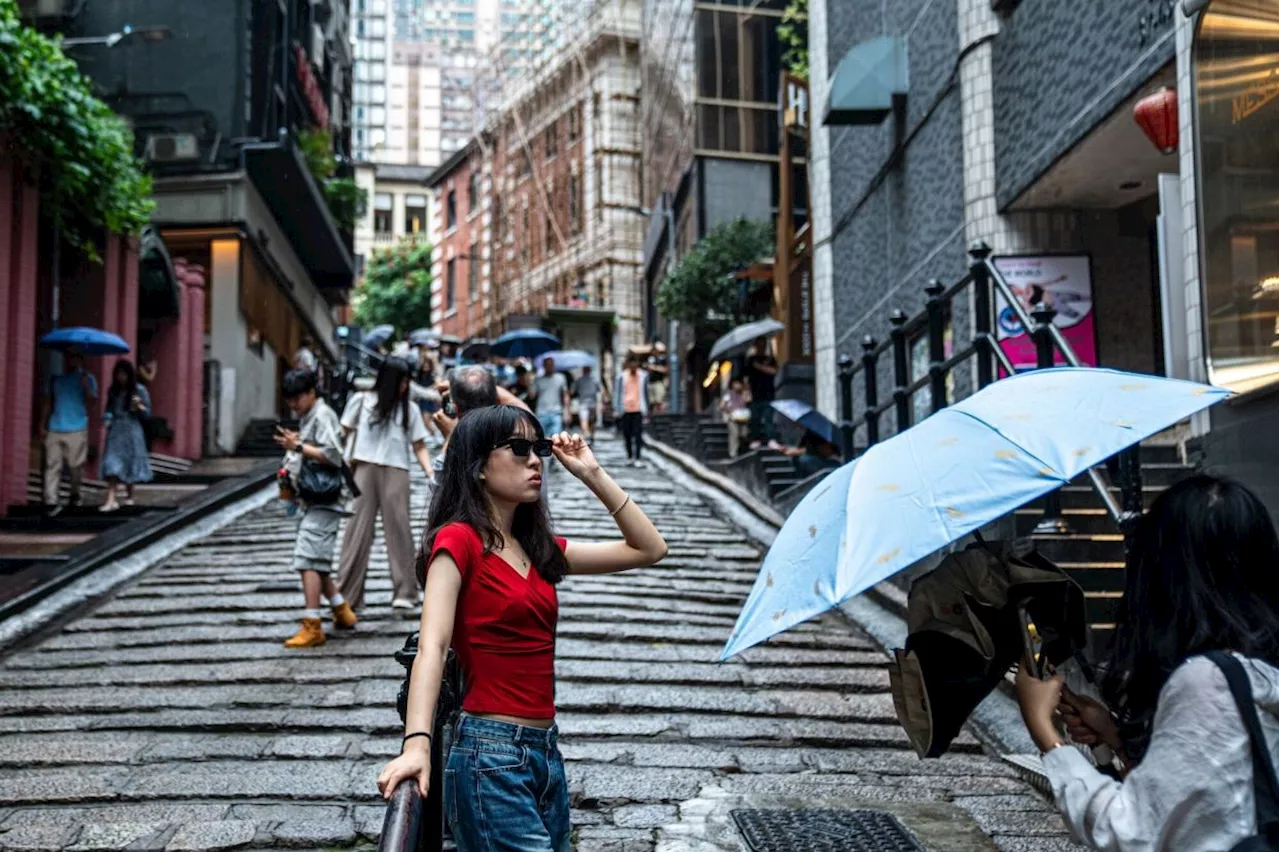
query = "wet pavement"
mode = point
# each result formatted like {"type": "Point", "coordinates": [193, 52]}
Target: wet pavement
{"type": "Point", "coordinates": [171, 717]}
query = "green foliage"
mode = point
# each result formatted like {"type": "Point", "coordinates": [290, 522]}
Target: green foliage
{"type": "Point", "coordinates": [78, 150]}
{"type": "Point", "coordinates": [793, 33]}
{"type": "Point", "coordinates": [347, 201]}
{"type": "Point", "coordinates": [704, 289]}
{"type": "Point", "coordinates": [396, 287]}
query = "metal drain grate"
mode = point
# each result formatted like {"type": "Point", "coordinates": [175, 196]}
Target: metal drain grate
{"type": "Point", "coordinates": [823, 831]}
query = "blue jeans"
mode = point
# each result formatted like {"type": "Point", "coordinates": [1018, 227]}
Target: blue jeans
{"type": "Point", "coordinates": [505, 790]}
{"type": "Point", "coordinates": [552, 423]}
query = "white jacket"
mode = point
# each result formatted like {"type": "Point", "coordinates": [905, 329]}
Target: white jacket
{"type": "Point", "coordinates": [1193, 791]}
{"type": "Point", "coordinates": [644, 392]}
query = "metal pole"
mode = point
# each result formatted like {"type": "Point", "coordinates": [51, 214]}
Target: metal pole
{"type": "Point", "coordinates": [937, 320]}
{"type": "Point", "coordinates": [901, 376]}
{"type": "Point", "coordinates": [846, 405]}
{"type": "Point", "coordinates": [673, 348]}
{"type": "Point", "coordinates": [870, 416]}
{"type": "Point", "coordinates": [979, 252]}
{"type": "Point", "coordinates": [1052, 523]}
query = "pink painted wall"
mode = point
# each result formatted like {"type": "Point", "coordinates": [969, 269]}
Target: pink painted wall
{"type": "Point", "coordinates": [19, 238]}
{"type": "Point", "coordinates": [178, 393]}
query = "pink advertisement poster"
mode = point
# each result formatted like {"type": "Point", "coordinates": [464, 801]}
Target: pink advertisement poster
{"type": "Point", "coordinates": [1064, 283]}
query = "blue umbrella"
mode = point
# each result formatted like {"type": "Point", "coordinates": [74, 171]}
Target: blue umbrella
{"type": "Point", "coordinates": [569, 359]}
{"type": "Point", "coordinates": [423, 337]}
{"type": "Point", "coordinates": [89, 341]}
{"type": "Point", "coordinates": [379, 335]}
{"type": "Point", "coordinates": [806, 415]}
{"type": "Point", "coordinates": [967, 465]}
{"type": "Point", "coordinates": [524, 343]}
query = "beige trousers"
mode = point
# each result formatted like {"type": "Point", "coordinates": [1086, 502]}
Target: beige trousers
{"type": "Point", "coordinates": [386, 490]}
{"type": "Point", "coordinates": [71, 448]}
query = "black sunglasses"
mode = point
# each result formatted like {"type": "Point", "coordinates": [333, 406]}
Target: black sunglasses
{"type": "Point", "coordinates": [520, 447]}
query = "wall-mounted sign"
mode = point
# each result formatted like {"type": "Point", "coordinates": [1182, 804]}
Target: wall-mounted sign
{"type": "Point", "coordinates": [794, 103]}
{"type": "Point", "coordinates": [311, 89]}
{"type": "Point", "coordinates": [1064, 283]}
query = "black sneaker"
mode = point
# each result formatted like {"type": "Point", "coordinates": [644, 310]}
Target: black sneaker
{"type": "Point", "coordinates": [55, 511]}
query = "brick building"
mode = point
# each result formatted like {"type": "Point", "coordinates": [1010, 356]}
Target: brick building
{"type": "Point", "coordinates": [538, 217]}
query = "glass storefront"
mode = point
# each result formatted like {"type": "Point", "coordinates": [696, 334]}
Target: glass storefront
{"type": "Point", "coordinates": [1236, 88]}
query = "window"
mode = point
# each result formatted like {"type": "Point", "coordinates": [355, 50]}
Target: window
{"type": "Point", "coordinates": [415, 214]}
{"type": "Point", "coordinates": [382, 213]}
{"type": "Point", "coordinates": [552, 142]}
{"type": "Point", "coordinates": [575, 203]}
{"type": "Point", "coordinates": [473, 276]}
{"type": "Point", "coordinates": [449, 270]}
{"type": "Point", "coordinates": [526, 163]}
{"type": "Point", "coordinates": [526, 236]}
{"type": "Point", "coordinates": [575, 122]}
{"type": "Point", "coordinates": [1234, 64]}
{"type": "Point", "coordinates": [451, 210]}
{"type": "Point", "coordinates": [473, 192]}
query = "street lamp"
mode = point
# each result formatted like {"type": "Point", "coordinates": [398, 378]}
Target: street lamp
{"type": "Point", "coordinates": [673, 325]}
{"type": "Point", "coordinates": [151, 35]}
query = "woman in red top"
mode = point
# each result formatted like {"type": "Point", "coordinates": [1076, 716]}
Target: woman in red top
{"type": "Point", "coordinates": [491, 574]}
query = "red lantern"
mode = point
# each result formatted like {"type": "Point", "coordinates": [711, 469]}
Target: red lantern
{"type": "Point", "coordinates": [1157, 115]}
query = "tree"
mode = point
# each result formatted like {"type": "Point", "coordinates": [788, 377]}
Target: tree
{"type": "Point", "coordinates": [793, 32]}
{"type": "Point", "coordinates": [396, 287]}
{"type": "Point", "coordinates": [704, 288]}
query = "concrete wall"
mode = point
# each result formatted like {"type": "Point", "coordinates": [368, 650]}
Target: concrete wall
{"type": "Point", "coordinates": [1059, 68]}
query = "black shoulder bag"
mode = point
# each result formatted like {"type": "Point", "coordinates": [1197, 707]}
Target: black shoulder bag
{"type": "Point", "coordinates": [1264, 774]}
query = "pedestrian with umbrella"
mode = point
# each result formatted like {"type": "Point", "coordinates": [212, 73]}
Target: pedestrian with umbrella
{"type": "Point", "coordinates": [817, 450]}
{"type": "Point", "coordinates": [64, 413]}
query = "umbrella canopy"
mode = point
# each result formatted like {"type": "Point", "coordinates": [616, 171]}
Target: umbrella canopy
{"type": "Point", "coordinates": [570, 359]}
{"type": "Point", "coordinates": [424, 337]}
{"type": "Point", "coordinates": [477, 349]}
{"type": "Point", "coordinates": [89, 341]}
{"type": "Point", "coordinates": [379, 335]}
{"type": "Point", "coordinates": [910, 496]}
{"type": "Point", "coordinates": [451, 339]}
{"type": "Point", "coordinates": [736, 341]}
{"type": "Point", "coordinates": [803, 414]}
{"type": "Point", "coordinates": [524, 343]}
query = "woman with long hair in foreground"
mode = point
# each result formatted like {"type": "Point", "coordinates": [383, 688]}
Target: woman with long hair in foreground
{"type": "Point", "coordinates": [1201, 579]}
{"type": "Point", "coordinates": [492, 567]}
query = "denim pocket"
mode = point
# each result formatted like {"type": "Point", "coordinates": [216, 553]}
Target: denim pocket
{"type": "Point", "coordinates": [495, 756]}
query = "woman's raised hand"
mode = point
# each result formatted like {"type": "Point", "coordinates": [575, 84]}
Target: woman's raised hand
{"type": "Point", "coordinates": [574, 454]}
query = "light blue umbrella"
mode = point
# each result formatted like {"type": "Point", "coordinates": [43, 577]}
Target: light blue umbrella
{"type": "Point", "coordinates": [569, 359]}
{"type": "Point", "coordinates": [379, 335]}
{"type": "Point", "coordinates": [524, 343]}
{"type": "Point", "coordinates": [86, 340]}
{"type": "Point", "coordinates": [912, 495]}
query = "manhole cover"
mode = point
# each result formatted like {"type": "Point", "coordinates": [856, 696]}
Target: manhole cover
{"type": "Point", "coordinates": [823, 831]}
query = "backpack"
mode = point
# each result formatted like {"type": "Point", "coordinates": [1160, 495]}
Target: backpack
{"type": "Point", "coordinates": [1264, 774]}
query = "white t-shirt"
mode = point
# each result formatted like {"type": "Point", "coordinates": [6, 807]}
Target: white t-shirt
{"type": "Point", "coordinates": [551, 390]}
{"type": "Point", "coordinates": [386, 442]}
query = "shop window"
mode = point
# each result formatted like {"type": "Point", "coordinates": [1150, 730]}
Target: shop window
{"type": "Point", "coordinates": [1236, 85]}
{"type": "Point", "coordinates": [382, 209]}
{"type": "Point", "coordinates": [415, 214]}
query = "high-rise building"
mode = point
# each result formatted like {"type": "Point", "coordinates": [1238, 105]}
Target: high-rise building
{"type": "Point", "coordinates": [373, 37]}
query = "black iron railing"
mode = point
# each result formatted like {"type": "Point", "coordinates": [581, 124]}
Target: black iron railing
{"type": "Point", "coordinates": [979, 287]}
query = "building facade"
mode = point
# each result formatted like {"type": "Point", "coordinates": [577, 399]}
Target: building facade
{"type": "Point", "coordinates": [373, 36]}
{"type": "Point", "coordinates": [217, 110]}
{"type": "Point", "coordinates": [1014, 124]}
{"type": "Point", "coordinates": [548, 199]}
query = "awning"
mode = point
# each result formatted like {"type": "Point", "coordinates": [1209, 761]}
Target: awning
{"type": "Point", "coordinates": [868, 79]}
{"type": "Point", "coordinates": [298, 205]}
{"type": "Point", "coordinates": [567, 313]}
{"type": "Point", "coordinates": [159, 296]}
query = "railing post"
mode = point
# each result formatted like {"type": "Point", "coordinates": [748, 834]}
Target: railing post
{"type": "Point", "coordinates": [1052, 522]}
{"type": "Point", "coordinates": [937, 319]}
{"type": "Point", "coordinates": [901, 374]}
{"type": "Point", "coordinates": [869, 360]}
{"type": "Point", "coordinates": [846, 405]}
{"type": "Point", "coordinates": [979, 252]}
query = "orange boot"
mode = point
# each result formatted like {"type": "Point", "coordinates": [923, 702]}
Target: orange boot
{"type": "Point", "coordinates": [310, 636]}
{"type": "Point", "coordinates": [344, 617]}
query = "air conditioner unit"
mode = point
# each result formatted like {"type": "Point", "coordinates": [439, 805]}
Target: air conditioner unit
{"type": "Point", "coordinates": [38, 9]}
{"type": "Point", "coordinates": [172, 147]}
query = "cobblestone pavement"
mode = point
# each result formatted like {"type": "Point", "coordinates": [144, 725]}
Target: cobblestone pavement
{"type": "Point", "coordinates": [172, 718]}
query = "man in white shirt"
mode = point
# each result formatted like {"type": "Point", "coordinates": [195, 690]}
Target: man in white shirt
{"type": "Point", "coordinates": [551, 398]}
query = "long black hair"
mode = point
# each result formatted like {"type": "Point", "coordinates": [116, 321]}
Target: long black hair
{"type": "Point", "coordinates": [460, 495]}
{"type": "Point", "coordinates": [392, 373]}
{"type": "Point", "coordinates": [128, 389]}
{"type": "Point", "coordinates": [1201, 577]}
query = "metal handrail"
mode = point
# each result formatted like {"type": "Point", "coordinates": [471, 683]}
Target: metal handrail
{"type": "Point", "coordinates": [982, 270]}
